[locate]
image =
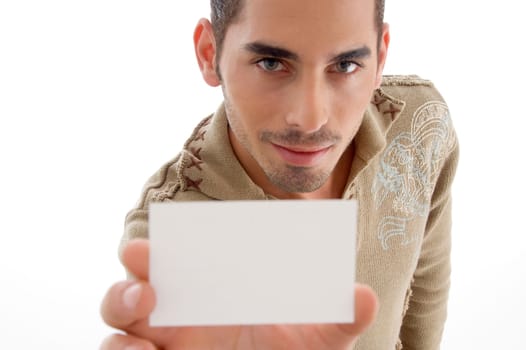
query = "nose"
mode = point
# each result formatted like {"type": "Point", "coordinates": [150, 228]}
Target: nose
{"type": "Point", "coordinates": [309, 110]}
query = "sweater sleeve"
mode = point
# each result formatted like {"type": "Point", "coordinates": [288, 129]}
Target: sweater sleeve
{"type": "Point", "coordinates": [426, 313]}
{"type": "Point", "coordinates": [167, 184]}
{"type": "Point", "coordinates": [162, 181]}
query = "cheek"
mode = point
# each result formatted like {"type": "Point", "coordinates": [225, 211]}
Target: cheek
{"type": "Point", "coordinates": [256, 108]}
{"type": "Point", "coordinates": [348, 109]}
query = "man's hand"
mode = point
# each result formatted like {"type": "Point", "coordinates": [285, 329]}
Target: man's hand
{"type": "Point", "coordinates": [128, 304]}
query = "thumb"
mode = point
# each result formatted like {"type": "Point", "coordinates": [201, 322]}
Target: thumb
{"type": "Point", "coordinates": [365, 310]}
{"type": "Point", "coordinates": [127, 303]}
{"type": "Point", "coordinates": [135, 257]}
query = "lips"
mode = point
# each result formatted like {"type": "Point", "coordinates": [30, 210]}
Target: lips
{"type": "Point", "coordinates": [301, 157]}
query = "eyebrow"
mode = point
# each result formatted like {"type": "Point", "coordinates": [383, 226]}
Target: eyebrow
{"type": "Point", "coordinates": [271, 51]}
{"type": "Point", "coordinates": [360, 53]}
{"type": "Point", "coordinates": [263, 49]}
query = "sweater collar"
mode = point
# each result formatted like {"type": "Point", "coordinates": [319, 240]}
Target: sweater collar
{"type": "Point", "coordinates": [370, 140]}
{"type": "Point", "coordinates": [224, 178]}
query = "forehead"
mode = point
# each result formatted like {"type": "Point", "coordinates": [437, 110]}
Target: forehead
{"type": "Point", "coordinates": [302, 23]}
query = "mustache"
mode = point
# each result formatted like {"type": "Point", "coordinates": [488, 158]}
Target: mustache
{"type": "Point", "coordinates": [293, 137]}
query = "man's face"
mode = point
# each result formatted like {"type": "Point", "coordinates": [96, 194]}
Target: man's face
{"type": "Point", "coordinates": [297, 76]}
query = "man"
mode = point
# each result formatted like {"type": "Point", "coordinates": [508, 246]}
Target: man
{"type": "Point", "coordinates": [307, 115]}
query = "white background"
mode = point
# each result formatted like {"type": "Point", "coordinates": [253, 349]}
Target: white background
{"type": "Point", "coordinates": [96, 95]}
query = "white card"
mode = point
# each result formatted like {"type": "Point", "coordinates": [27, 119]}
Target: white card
{"type": "Point", "coordinates": [253, 262]}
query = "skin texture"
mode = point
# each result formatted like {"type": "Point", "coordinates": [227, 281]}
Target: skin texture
{"type": "Point", "coordinates": [293, 114]}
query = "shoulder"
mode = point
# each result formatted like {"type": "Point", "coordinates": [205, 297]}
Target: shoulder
{"type": "Point", "coordinates": [415, 169]}
{"type": "Point", "coordinates": [405, 80]}
{"type": "Point", "coordinates": [172, 182]}
{"type": "Point", "coordinates": [420, 105]}
{"type": "Point", "coordinates": [175, 180]}
{"type": "Point", "coordinates": [421, 139]}
{"type": "Point", "coordinates": [413, 111]}
{"type": "Point", "coordinates": [411, 89]}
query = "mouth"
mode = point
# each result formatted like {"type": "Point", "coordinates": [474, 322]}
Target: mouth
{"type": "Point", "coordinates": [302, 157]}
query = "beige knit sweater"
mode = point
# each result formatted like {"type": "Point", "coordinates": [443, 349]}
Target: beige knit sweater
{"type": "Point", "coordinates": [406, 154]}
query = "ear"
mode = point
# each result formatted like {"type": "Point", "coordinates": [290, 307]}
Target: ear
{"type": "Point", "coordinates": [205, 51]}
{"type": "Point", "coordinates": [382, 53]}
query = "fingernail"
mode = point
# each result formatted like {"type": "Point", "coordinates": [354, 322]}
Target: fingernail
{"type": "Point", "coordinates": [131, 296]}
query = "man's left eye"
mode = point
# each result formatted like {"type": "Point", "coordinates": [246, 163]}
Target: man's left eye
{"type": "Point", "coordinates": [345, 67]}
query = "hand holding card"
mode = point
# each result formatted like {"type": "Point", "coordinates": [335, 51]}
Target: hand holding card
{"type": "Point", "coordinates": [132, 318]}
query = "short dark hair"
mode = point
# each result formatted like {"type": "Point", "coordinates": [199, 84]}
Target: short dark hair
{"type": "Point", "coordinates": [224, 12]}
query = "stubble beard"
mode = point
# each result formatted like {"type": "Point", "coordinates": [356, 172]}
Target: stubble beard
{"type": "Point", "coordinates": [296, 179]}
{"type": "Point", "coordinates": [291, 179]}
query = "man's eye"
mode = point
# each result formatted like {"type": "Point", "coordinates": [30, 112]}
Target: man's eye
{"type": "Point", "coordinates": [346, 67]}
{"type": "Point", "coordinates": [270, 64]}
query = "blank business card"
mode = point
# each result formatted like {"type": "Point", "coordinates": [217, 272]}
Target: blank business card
{"type": "Point", "coordinates": [253, 262]}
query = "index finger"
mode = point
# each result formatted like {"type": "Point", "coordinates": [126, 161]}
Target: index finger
{"type": "Point", "coordinates": [135, 257]}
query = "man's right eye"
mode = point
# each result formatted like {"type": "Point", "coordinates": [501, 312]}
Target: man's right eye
{"type": "Point", "coordinates": [270, 64]}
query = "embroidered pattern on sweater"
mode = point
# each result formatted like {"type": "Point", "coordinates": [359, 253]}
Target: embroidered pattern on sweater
{"type": "Point", "coordinates": [196, 152]}
{"type": "Point", "coordinates": [409, 168]}
{"type": "Point", "coordinates": [378, 100]}
{"type": "Point", "coordinates": [193, 183]}
{"type": "Point", "coordinates": [385, 106]}
{"type": "Point", "coordinates": [194, 160]}
{"type": "Point", "coordinates": [184, 179]}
